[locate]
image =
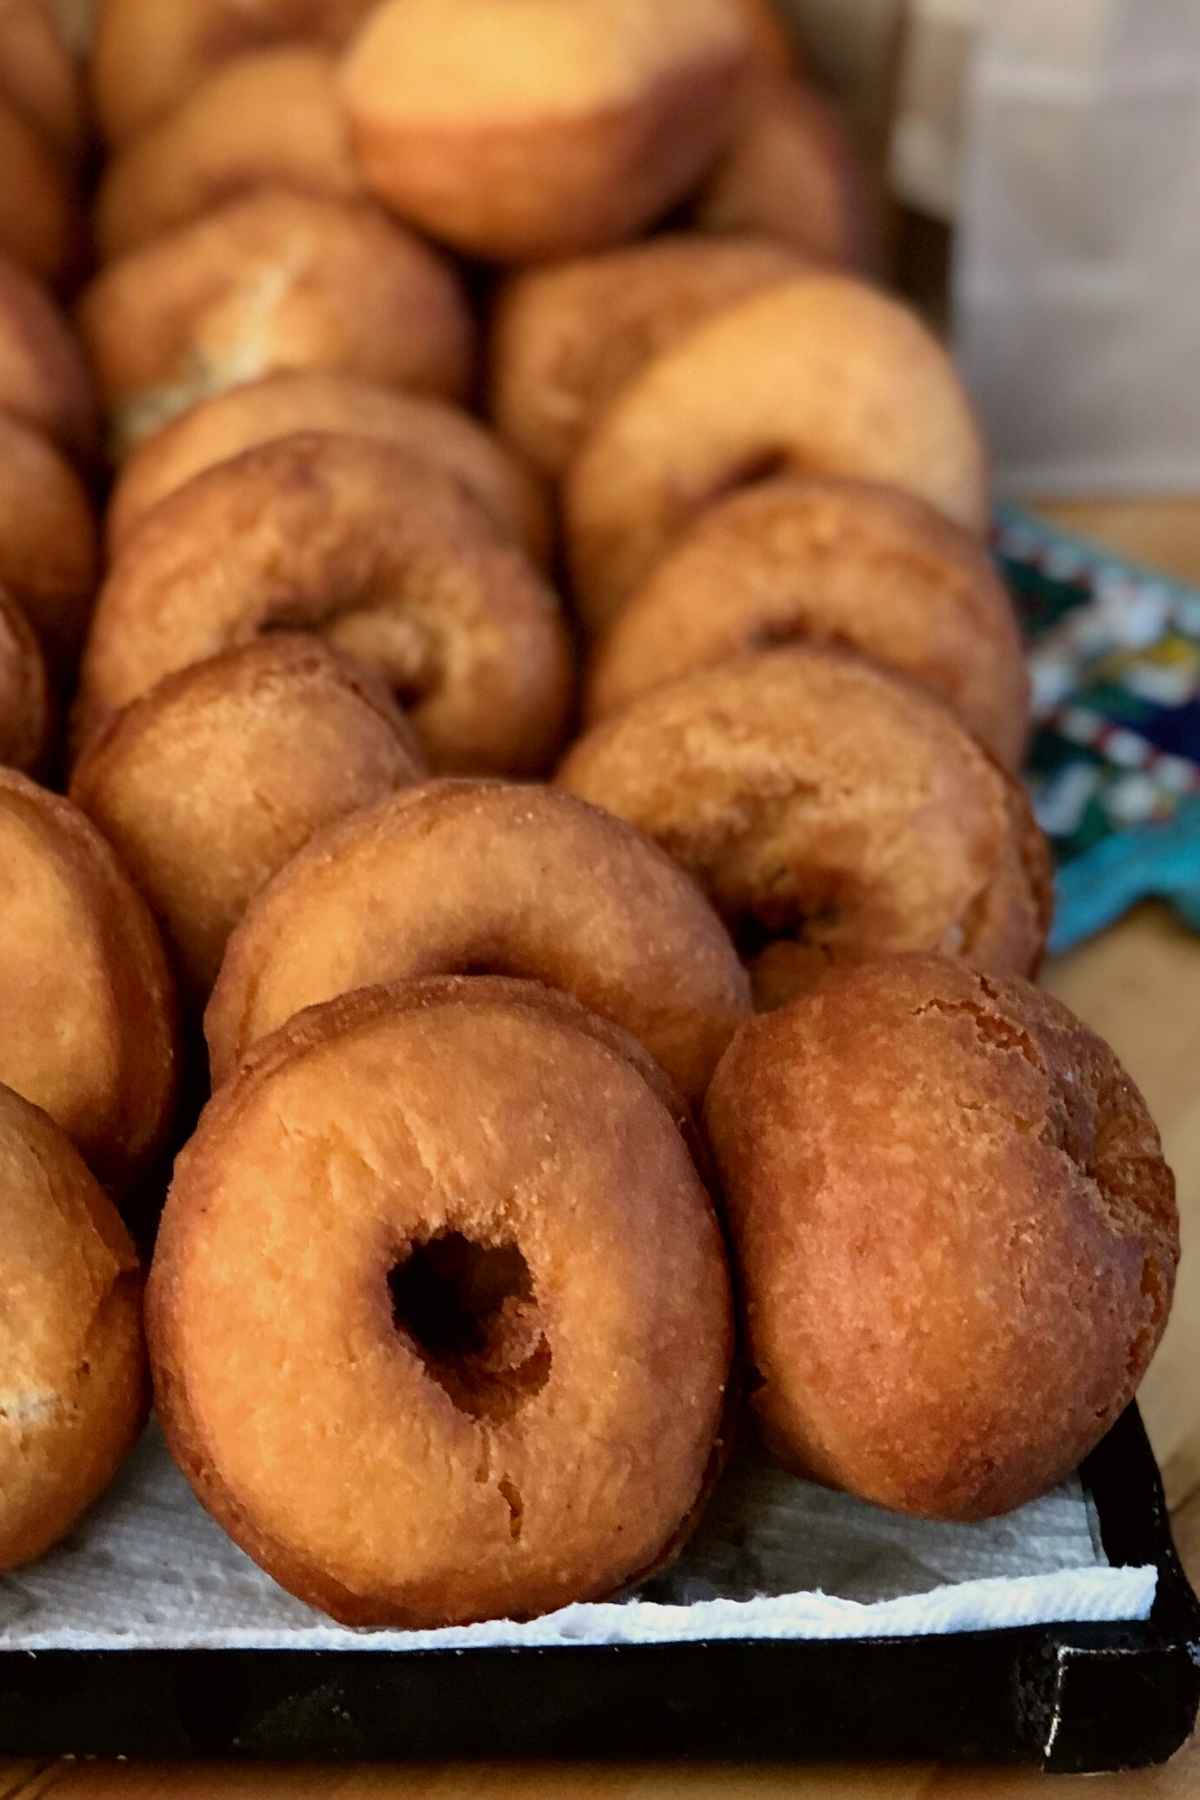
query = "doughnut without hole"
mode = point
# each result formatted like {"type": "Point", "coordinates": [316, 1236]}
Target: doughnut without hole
{"type": "Point", "coordinates": [570, 897]}
{"type": "Point", "coordinates": [48, 551]}
{"type": "Point", "coordinates": [956, 1234]}
{"type": "Point", "coordinates": [828, 808]}
{"type": "Point", "coordinates": [43, 377]}
{"type": "Point", "coordinates": [39, 76]}
{"type": "Point", "coordinates": [26, 713]}
{"type": "Point", "coordinates": [499, 1386]}
{"type": "Point", "coordinates": [41, 226]}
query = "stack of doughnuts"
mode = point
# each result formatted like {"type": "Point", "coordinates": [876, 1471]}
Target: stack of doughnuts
{"type": "Point", "coordinates": [543, 703]}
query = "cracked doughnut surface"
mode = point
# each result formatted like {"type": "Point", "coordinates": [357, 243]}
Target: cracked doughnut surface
{"type": "Point", "coordinates": [502, 1386]}
{"type": "Point", "coordinates": [956, 1234]}
{"type": "Point", "coordinates": [828, 808]}
{"type": "Point", "coordinates": [73, 1382]}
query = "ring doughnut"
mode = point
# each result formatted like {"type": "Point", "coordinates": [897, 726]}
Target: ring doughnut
{"type": "Point", "coordinates": [26, 714]}
{"type": "Point", "coordinates": [269, 116]}
{"type": "Point", "coordinates": [211, 781]}
{"type": "Point", "coordinates": [827, 808]}
{"type": "Point", "coordinates": [39, 76]}
{"type": "Point", "coordinates": [378, 552]}
{"type": "Point", "coordinates": [48, 551]}
{"type": "Point", "coordinates": [912, 1101]}
{"type": "Point", "coordinates": [43, 377]}
{"type": "Point", "coordinates": [41, 226]}
{"type": "Point", "coordinates": [566, 337]}
{"type": "Point", "coordinates": [819, 561]}
{"type": "Point", "coordinates": [147, 57]}
{"type": "Point", "coordinates": [272, 280]}
{"type": "Point", "coordinates": [394, 893]}
{"type": "Point", "coordinates": [313, 400]}
{"type": "Point", "coordinates": [87, 1026]}
{"type": "Point", "coordinates": [820, 375]}
{"type": "Point", "coordinates": [73, 1380]}
{"type": "Point", "coordinates": [619, 108]}
{"type": "Point", "coordinates": [563, 1430]}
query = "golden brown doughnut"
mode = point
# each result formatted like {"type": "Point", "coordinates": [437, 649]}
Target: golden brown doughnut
{"type": "Point", "coordinates": [43, 377]}
{"type": "Point", "coordinates": [269, 116]}
{"type": "Point", "coordinates": [834, 562]}
{"type": "Point", "coordinates": [791, 173]}
{"type": "Point", "coordinates": [272, 280]}
{"type": "Point", "coordinates": [828, 808]}
{"type": "Point", "coordinates": [534, 130]}
{"type": "Point", "coordinates": [498, 1388]}
{"type": "Point", "coordinates": [149, 55]}
{"type": "Point", "coordinates": [456, 877]}
{"type": "Point", "coordinates": [26, 714]}
{"type": "Point", "coordinates": [211, 781]}
{"type": "Point", "coordinates": [40, 223]}
{"type": "Point", "coordinates": [374, 549]}
{"type": "Point", "coordinates": [39, 76]}
{"type": "Point", "coordinates": [87, 1027]}
{"type": "Point", "coordinates": [567, 337]}
{"type": "Point", "coordinates": [73, 1381]}
{"type": "Point", "coordinates": [820, 375]}
{"type": "Point", "coordinates": [314, 400]}
{"type": "Point", "coordinates": [956, 1233]}
{"type": "Point", "coordinates": [48, 554]}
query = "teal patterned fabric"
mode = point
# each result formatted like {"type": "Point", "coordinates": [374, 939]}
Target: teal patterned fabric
{"type": "Point", "coordinates": [1114, 765]}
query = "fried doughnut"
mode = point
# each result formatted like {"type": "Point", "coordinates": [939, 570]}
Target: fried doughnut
{"type": "Point", "coordinates": [43, 377]}
{"type": "Point", "coordinates": [770, 38]}
{"type": "Point", "coordinates": [566, 338]}
{"type": "Point", "coordinates": [211, 781]}
{"type": "Point", "coordinates": [148, 56]}
{"type": "Point", "coordinates": [956, 1233]}
{"type": "Point", "coordinates": [499, 1387]}
{"type": "Point", "coordinates": [270, 116]}
{"type": "Point", "coordinates": [380, 553]}
{"type": "Point", "coordinates": [73, 1381]}
{"type": "Point", "coordinates": [534, 130]}
{"type": "Point", "coordinates": [272, 280]}
{"type": "Point", "coordinates": [827, 808]}
{"type": "Point", "coordinates": [87, 1026]}
{"type": "Point", "coordinates": [791, 173]}
{"type": "Point", "coordinates": [25, 709]}
{"type": "Point", "coordinates": [396, 892]}
{"type": "Point", "coordinates": [820, 375]}
{"type": "Point", "coordinates": [312, 400]}
{"type": "Point", "coordinates": [39, 76]}
{"type": "Point", "coordinates": [838, 562]}
{"type": "Point", "coordinates": [48, 553]}
{"type": "Point", "coordinates": [40, 223]}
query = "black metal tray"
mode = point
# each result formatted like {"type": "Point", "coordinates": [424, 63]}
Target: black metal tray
{"type": "Point", "coordinates": [1071, 1698]}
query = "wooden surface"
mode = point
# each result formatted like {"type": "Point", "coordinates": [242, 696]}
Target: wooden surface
{"type": "Point", "coordinates": [1140, 986]}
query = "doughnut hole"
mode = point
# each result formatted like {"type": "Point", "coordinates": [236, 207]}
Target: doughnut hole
{"type": "Point", "coordinates": [469, 1311]}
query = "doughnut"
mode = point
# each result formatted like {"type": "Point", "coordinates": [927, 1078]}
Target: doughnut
{"type": "Point", "coordinates": [43, 377]}
{"type": "Point", "coordinates": [40, 223]}
{"type": "Point", "coordinates": [532, 130]}
{"type": "Point", "coordinates": [829, 809]}
{"type": "Point", "coordinates": [39, 77]}
{"type": "Point", "coordinates": [72, 1358]}
{"type": "Point", "coordinates": [149, 55]}
{"type": "Point", "coordinates": [25, 710]}
{"type": "Point", "coordinates": [76, 24]}
{"type": "Point", "coordinates": [955, 1231]}
{"type": "Point", "coordinates": [791, 173]}
{"type": "Point", "coordinates": [566, 337]}
{"type": "Point", "coordinates": [268, 116]}
{"type": "Point", "coordinates": [381, 553]}
{"type": "Point", "coordinates": [313, 400]}
{"type": "Point", "coordinates": [499, 1386]}
{"type": "Point", "coordinates": [48, 553]}
{"type": "Point", "coordinates": [87, 1026]}
{"type": "Point", "coordinates": [822, 561]}
{"type": "Point", "coordinates": [770, 39]}
{"type": "Point", "coordinates": [211, 781]}
{"type": "Point", "coordinates": [271, 280]}
{"type": "Point", "coordinates": [819, 375]}
{"type": "Point", "coordinates": [571, 897]}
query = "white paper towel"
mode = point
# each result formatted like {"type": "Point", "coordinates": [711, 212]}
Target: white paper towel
{"type": "Point", "coordinates": [774, 1558]}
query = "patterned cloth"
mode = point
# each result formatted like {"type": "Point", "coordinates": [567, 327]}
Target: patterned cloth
{"type": "Point", "coordinates": [1114, 766]}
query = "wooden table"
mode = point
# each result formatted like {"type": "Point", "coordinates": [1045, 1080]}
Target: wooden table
{"type": "Point", "coordinates": [1140, 986]}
